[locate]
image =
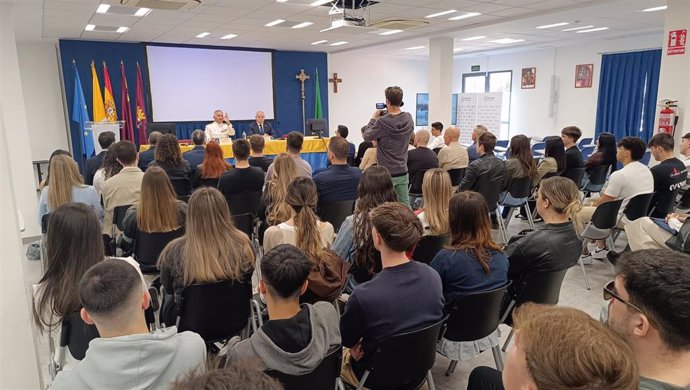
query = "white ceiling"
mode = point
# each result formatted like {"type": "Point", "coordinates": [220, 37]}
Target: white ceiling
{"type": "Point", "coordinates": [54, 19]}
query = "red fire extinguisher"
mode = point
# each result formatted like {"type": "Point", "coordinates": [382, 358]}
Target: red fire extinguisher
{"type": "Point", "coordinates": [667, 117]}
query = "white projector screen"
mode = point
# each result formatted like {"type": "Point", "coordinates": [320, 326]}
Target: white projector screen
{"type": "Point", "coordinates": [188, 84]}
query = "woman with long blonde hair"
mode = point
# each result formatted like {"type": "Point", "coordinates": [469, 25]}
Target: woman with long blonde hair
{"type": "Point", "coordinates": [284, 171]}
{"type": "Point", "coordinates": [66, 186]}
{"type": "Point", "coordinates": [211, 250]}
{"type": "Point", "coordinates": [436, 191]}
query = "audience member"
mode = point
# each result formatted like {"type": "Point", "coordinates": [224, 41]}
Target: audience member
{"type": "Point", "coordinates": [211, 250]}
{"type": "Point", "coordinates": [605, 153]}
{"type": "Point", "coordinates": [685, 149]}
{"type": "Point", "coordinates": [647, 233]}
{"type": "Point", "coordinates": [369, 158]}
{"type": "Point", "coordinates": [453, 155]}
{"type": "Point", "coordinates": [519, 165]}
{"type": "Point", "coordinates": [421, 158]}
{"type": "Point", "coordinates": [354, 242]}
{"type": "Point", "coordinates": [296, 337]}
{"type": "Point", "coordinates": [244, 177]}
{"type": "Point", "coordinates": [472, 149]}
{"type": "Point", "coordinates": [56, 152]}
{"type": "Point", "coordinates": [124, 188]}
{"type": "Point", "coordinates": [374, 312]}
{"type": "Point", "coordinates": [238, 376]}
{"type": "Point", "coordinates": [554, 159]}
{"type": "Point", "coordinates": [212, 167]}
{"type": "Point", "coordinates": [277, 209]}
{"type": "Point", "coordinates": [411, 145]}
{"type": "Point", "coordinates": [649, 310]}
{"type": "Point", "coordinates": [436, 141]}
{"type": "Point", "coordinates": [669, 175]}
{"type": "Point", "coordinates": [66, 186]}
{"type": "Point", "coordinates": [196, 156]}
{"type": "Point", "coordinates": [485, 173]}
{"type": "Point", "coordinates": [260, 127]}
{"type": "Point", "coordinates": [339, 181]}
{"type": "Point", "coordinates": [147, 156]}
{"type": "Point", "coordinates": [109, 169]}
{"type": "Point", "coordinates": [392, 131]}
{"type": "Point", "coordinates": [551, 338]}
{"type": "Point", "coordinates": [294, 143]}
{"type": "Point", "coordinates": [436, 191]}
{"type": "Point", "coordinates": [343, 132]}
{"type": "Point", "coordinates": [169, 158]}
{"type": "Point", "coordinates": [573, 156]}
{"type": "Point", "coordinates": [105, 139]}
{"type": "Point", "coordinates": [127, 355]}
{"type": "Point", "coordinates": [257, 158]}
{"type": "Point", "coordinates": [362, 148]}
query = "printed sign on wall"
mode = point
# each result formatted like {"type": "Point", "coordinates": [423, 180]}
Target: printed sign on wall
{"type": "Point", "coordinates": [676, 42]}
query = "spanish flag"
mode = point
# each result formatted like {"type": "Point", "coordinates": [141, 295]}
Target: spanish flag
{"type": "Point", "coordinates": [98, 108]}
{"type": "Point", "coordinates": [110, 113]}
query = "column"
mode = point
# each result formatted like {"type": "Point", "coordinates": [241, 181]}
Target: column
{"type": "Point", "coordinates": [440, 79]}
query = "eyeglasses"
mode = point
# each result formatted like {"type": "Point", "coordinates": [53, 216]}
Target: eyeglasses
{"type": "Point", "coordinates": [609, 293]}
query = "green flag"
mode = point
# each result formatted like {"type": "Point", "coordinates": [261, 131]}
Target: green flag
{"type": "Point", "coordinates": [318, 112]}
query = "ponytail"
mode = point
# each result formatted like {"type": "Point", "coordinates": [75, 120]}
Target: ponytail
{"type": "Point", "coordinates": [308, 235]}
{"type": "Point", "coordinates": [572, 210]}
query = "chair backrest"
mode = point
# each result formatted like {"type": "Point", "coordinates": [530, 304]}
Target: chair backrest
{"type": "Point", "coordinates": [502, 143]}
{"type": "Point", "coordinates": [75, 334]}
{"type": "Point", "coordinates": [606, 214]}
{"type": "Point", "coordinates": [336, 212]}
{"type": "Point", "coordinates": [539, 287]}
{"type": "Point", "coordinates": [587, 151]}
{"type": "Point", "coordinates": [597, 175]}
{"type": "Point", "coordinates": [456, 176]}
{"type": "Point", "coordinates": [539, 146]}
{"type": "Point", "coordinates": [44, 223]}
{"type": "Point", "coordinates": [428, 247]}
{"type": "Point", "coordinates": [216, 311]}
{"type": "Point", "coordinates": [520, 187]}
{"type": "Point", "coordinates": [436, 150]}
{"type": "Point", "coordinates": [119, 216]}
{"type": "Point", "coordinates": [323, 377]}
{"type": "Point", "coordinates": [576, 175]}
{"type": "Point", "coordinates": [474, 316]}
{"type": "Point", "coordinates": [584, 142]}
{"type": "Point", "coordinates": [403, 360]}
{"type": "Point", "coordinates": [209, 182]}
{"type": "Point", "coordinates": [181, 186]}
{"type": "Point", "coordinates": [416, 182]}
{"type": "Point", "coordinates": [638, 206]}
{"type": "Point", "coordinates": [148, 246]}
{"type": "Point", "coordinates": [244, 222]}
{"type": "Point", "coordinates": [645, 158]}
{"type": "Point", "coordinates": [244, 202]}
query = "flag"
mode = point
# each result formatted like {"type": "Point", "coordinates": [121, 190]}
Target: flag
{"type": "Point", "coordinates": [141, 109]}
{"type": "Point", "coordinates": [318, 112]}
{"type": "Point", "coordinates": [127, 131]}
{"type": "Point", "coordinates": [81, 115]}
{"type": "Point", "coordinates": [98, 108]}
{"type": "Point", "coordinates": [108, 100]}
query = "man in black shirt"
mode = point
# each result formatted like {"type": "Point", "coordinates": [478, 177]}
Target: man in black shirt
{"type": "Point", "coordinates": [669, 175]}
{"type": "Point", "coordinates": [146, 157]}
{"type": "Point", "coordinates": [242, 178]}
{"type": "Point", "coordinates": [573, 156]}
{"type": "Point", "coordinates": [258, 159]}
{"type": "Point", "coordinates": [419, 160]}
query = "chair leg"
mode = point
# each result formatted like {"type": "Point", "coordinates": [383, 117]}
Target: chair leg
{"type": "Point", "coordinates": [530, 216]}
{"type": "Point", "coordinates": [339, 384]}
{"type": "Point", "coordinates": [505, 345]}
{"type": "Point", "coordinates": [501, 227]}
{"type": "Point", "coordinates": [498, 358]}
{"type": "Point", "coordinates": [363, 380]}
{"type": "Point", "coordinates": [584, 272]}
{"type": "Point", "coordinates": [451, 367]}
{"type": "Point", "coordinates": [430, 381]}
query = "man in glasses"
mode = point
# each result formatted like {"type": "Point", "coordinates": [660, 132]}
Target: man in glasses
{"type": "Point", "coordinates": [649, 306]}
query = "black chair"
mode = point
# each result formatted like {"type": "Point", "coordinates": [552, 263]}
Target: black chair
{"type": "Point", "coordinates": [456, 176]}
{"type": "Point", "coordinates": [184, 198]}
{"type": "Point", "coordinates": [427, 248]}
{"type": "Point", "coordinates": [596, 179]}
{"type": "Point", "coordinates": [637, 207]}
{"type": "Point", "coordinates": [415, 188]}
{"type": "Point", "coordinates": [520, 189]}
{"type": "Point", "coordinates": [75, 336]}
{"type": "Point", "coordinates": [119, 216]}
{"type": "Point", "coordinates": [539, 287]}
{"type": "Point", "coordinates": [148, 246]}
{"type": "Point", "coordinates": [325, 376]}
{"type": "Point", "coordinates": [245, 222]}
{"type": "Point", "coordinates": [182, 187]}
{"type": "Point", "coordinates": [485, 309]}
{"type": "Point", "coordinates": [404, 361]}
{"type": "Point", "coordinates": [244, 203]}
{"type": "Point", "coordinates": [42, 245]}
{"type": "Point", "coordinates": [604, 219]}
{"type": "Point", "coordinates": [436, 150]}
{"type": "Point", "coordinates": [576, 175]}
{"type": "Point", "coordinates": [336, 212]}
{"type": "Point", "coordinates": [684, 201]}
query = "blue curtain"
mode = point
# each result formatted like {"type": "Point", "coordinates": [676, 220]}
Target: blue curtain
{"type": "Point", "coordinates": [628, 87]}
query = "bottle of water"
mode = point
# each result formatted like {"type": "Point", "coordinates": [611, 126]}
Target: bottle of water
{"type": "Point", "coordinates": [244, 135]}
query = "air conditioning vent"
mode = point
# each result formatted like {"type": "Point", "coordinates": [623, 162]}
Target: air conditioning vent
{"type": "Point", "coordinates": [398, 24]}
{"type": "Point", "coordinates": [170, 5]}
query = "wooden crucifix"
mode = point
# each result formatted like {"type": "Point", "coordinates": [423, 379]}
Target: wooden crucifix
{"type": "Point", "coordinates": [302, 77]}
{"type": "Point", "coordinates": [335, 80]}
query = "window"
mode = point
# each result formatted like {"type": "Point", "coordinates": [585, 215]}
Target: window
{"type": "Point", "coordinates": [498, 81]}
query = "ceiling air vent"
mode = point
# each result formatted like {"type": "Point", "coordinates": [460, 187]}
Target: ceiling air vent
{"type": "Point", "coordinates": [398, 24]}
{"type": "Point", "coordinates": [170, 5]}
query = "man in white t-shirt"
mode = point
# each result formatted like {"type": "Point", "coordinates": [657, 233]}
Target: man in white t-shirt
{"type": "Point", "coordinates": [220, 128]}
{"type": "Point", "coordinates": [685, 149]}
{"type": "Point", "coordinates": [634, 179]}
{"type": "Point", "coordinates": [436, 141]}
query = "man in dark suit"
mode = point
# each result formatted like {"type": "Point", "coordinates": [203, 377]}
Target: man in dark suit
{"type": "Point", "coordinates": [105, 139]}
{"type": "Point", "coordinates": [260, 126]}
{"type": "Point", "coordinates": [196, 155]}
{"type": "Point", "coordinates": [146, 157]}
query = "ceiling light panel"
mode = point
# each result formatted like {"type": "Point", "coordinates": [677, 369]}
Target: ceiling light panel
{"type": "Point", "coordinates": [578, 28]}
{"type": "Point", "coordinates": [120, 30]}
{"type": "Point", "coordinates": [319, 42]}
{"type": "Point", "coordinates": [321, 2]}
{"type": "Point", "coordinates": [142, 12]}
{"type": "Point", "coordinates": [229, 36]}
{"type": "Point", "coordinates": [302, 25]}
{"type": "Point", "coordinates": [415, 47]}
{"type": "Point", "coordinates": [391, 32]}
{"type": "Point", "coordinates": [103, 8]}
{"type": "Point", "coordinates": [553, 25]}
{"type": "Point", "coordinates": [660, 8]}
{"type": "Point", "coordinates": [338, 43]}
{"type": "Point", "coordinates": [274, 23]}
{"type": "Point", "coordinates": [437, 14]}
{"type": "Point", "coordinates": [474, 38]}
{"type": "Point", "coordinates": [203, 35]}
{"type": "Point", "coordinates": [90, 27]}
{"type": "Point", "coordinates": [593, 30]}
{"type": "Point", "coordinates": [505, 41]}
{"type": "Point", "coordinates": [466, 15]}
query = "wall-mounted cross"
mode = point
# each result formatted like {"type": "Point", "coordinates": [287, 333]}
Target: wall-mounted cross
{"type": "Point", "coordinates": [335, 80]}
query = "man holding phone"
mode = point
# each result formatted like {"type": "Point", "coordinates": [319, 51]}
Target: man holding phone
{"type": "Point", "coordinates": [392, 129]}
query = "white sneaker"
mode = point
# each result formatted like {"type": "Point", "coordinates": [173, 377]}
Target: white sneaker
{"type": "Point", "coordinates": [586, 259]}
{"type": "Point", "coordinates": [600, 254]}
{"type": "Point", "coordinates": [591, 246]}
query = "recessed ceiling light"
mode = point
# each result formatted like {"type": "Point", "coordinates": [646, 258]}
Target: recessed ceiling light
{"type": "Point", "coordinates": [142, 11]}
{"type": "Point", "coordinates": [660, 8]}
{"type": "Point", "coordinates": [321, 2]}
{"type": "Point", "coordinates": [319, 42]}
{"type": "Point", "coordinates": [274, 23]}
{"type": "Point", "coordinates": [450, 11]}
{"type": "Point", "coordinates": [507, 40]}
{"type": "Point", "coordinates": [553, 25]}
{"type": "Point", "coordinates": [457, 49]}
{"type": "Point", "coordinates": [415, 47]}
{"type": "Point", "coordinates": [120, 30]}
{"type": "Point", "coordinates": [578, 28]}
{"type": "Point", "coordinates": [474, 38]}
{"type": "Point", "coordinates": [90, 27]}
{"type": "Point", "coordinates": [338, 43]}
{"type": "Point", "coordinates": [229, 36]}
{"type": "Point", "coordinates": [303, 25]}
{"type": "Point", "coordinates": [391, 32]}
{"type": "Point", "coordinates": [465, 16]}
{"type": "Point", "coordinates": [593, 30]}
{"type": "Point", "coordinates": [103, 8]}
{"type": "Point", "coordinates": [203, 34]}
{"type": "Point", "coordinates": [281, 1]}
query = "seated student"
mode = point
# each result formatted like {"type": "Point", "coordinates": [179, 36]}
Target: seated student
{"type": "Point", "coordinates": [293, 142]}
{"type": "Point", "coordinates": [436, 190]}
{"type": "Point", "coordinates": [196, 156]}
{"type": "Point", "coordinates": [313, 237]}
{"type": "Point", "coordinates": [472, 149]}
{"type": "Point", "coordinates": [238, 376]}
{"type": "Point", "coordinates": [594, 356]}
{"type": "Point", "coordinates": [244, 177]}
{"type": "Point", "coordinates": [648, 308]}
{"type": "Point", "coordinates": [56, 152]}
{"type": "Point", "coordinates": [485, 172]}
{"type": "Point", "coordinates": [684, 149]}
{"type": "Point", "coordinates": [211, 168]}
{"type": "Point", "coordinates": [211, 250]}
{"type": "Point", "coordinates": [420, 159]}
{"type": "Point", "coordinates": [93, 164]}
{"type": "Point", "coordinates": [362, 148]}
{"type": "Point", "coordinates": [354, 242]}
{"type": "Point", "coordinates": [343, 132]}
{"type": "Point", "coordinates": [519, 165]}
{"type": "Point", "coordinates": [123, 188]}
{"type": "Point", "coordinates": [273, 199]}
{"type": "Point", "coordinates": [573, 156]}
{"type": "Point", "coordinates": [339, 181]}
{"type": "Point", "coordinates": [405, 296]}
{"type": "Point", "coordinates": [453, 155]}
{"type": "Point", "coordinates": [108, 169]}
{"type": "Point", "coordinates": [369, 157]}
{"type": "Point", "coordinates": [127, 355]}
{"type": "Point", "coordinates": [646, 233]}
{"type": "Point", "coordinates": [605, 153]}
{"type": "Point", "coordinates": [169, 157]}
{"type": "Point", "coordinates": [257, 158]}
{"type": "Point", "coordinates": [147, 156]}
{"type": "Point", "coordinates": [670, 174]}
{"type": "Point", "coordinates": [436, 141]}
{"type": "Point", "coordinates": [554, 159]}
{"type": "Point", "coordinates": [296, 337]}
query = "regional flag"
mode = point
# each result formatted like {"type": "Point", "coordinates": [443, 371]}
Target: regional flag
{"type": "Point", "coordinates": [318, 111]}
{"type": "Point", "coordinates": [98, 108]}
{"type": "Point", "coordinates": [127, 131]}
{"type": "Point", "coordinates": [109, 101]}
{"type": "Point", "coordinates": [81, 115]}
{"type": "Point", "coordinates": [141, 109]}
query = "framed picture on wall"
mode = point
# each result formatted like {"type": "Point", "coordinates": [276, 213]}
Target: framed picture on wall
{"type": "Point", "coordinates": [583, 75]}
{"type": "Point", "coordinates": [422, 117]}
{"type": "Point", "coordinates": [528, 79]}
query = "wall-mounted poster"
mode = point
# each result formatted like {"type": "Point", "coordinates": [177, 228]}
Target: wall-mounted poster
{"type": "Point", "coordinates": [422, 117]}
{"type": "Point", "coordinates": [528, 80]}
{"type": "Point", "coordinates": [583, 75]}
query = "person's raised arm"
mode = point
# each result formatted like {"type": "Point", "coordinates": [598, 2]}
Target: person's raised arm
{"type": "Point", "coordinates": [373, 130]}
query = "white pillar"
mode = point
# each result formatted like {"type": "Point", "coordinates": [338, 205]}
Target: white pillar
{"type": "Point", "coordinates": [440, 79]}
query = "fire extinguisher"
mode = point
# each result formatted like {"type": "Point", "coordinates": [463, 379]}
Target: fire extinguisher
{"type": "Point", "coordinates": [667, 117]}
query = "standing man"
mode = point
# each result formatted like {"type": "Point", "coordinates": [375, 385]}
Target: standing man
{"type": "Point", "coordinates": [220, 128]}
{"type": "Point", "coordinates": [573, 156]}
{"type": "Point", "coordinates": [260, 126]}
{"type": "Point", "coordinates": [392, 131]}
{"type": "Point", "coordinates": [669, 175]}
{"type": "Point", "coordinates": [436, 140]}
{"type": "Point", "coordinates": [146, 157]}
{"type": "Point", "coordinates": [196, 155]}
{"type": "Point", "coordinates": [472, 150]}
{"type": "Point", "coordinates": [105, 139]}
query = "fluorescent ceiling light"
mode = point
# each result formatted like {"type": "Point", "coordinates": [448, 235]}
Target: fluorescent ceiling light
{"type": "Point", "coordinates": [450, 11]}
{"type": "Point", "coordinates": [203, 34]}
{"type": "Point", "coordinates": [661, 8]}
{"type": "Point", "coordinates": [321, 2]}
{"type": "Point", "coordinates": [593, 30]}
{"type": "Point", "coordinates": [391, 32]}
{"type": "Point", "coordinates": [142, 11]}
{"type": "Point", "coordinates": [338, 43]}
{"type": "Point", "coordinates": [120, 30]}
{"type": "Point", "coordinates": [474, 38]}
{"type": "Point", "coordinates": [457, 49]}
{"type": "Point", "coordinates": [578, 28]}
{"type": "Point", "coordinates": [281, 1]}
{"type": "Point", "coordinates": [553, 25]}
{"type": "Point", "coordinates": [274, 23]}
{"type": "Point", "coordinates": [465, 16]}
{"type": "Point", "coordinates": [415, 47]}
{"type": "Point", "coordinates": [103, 8]}
{"type": "Point", "coordinates": [229, 36]}
{"type": "Point", "coordinates": [319, 42]}
{"type": "Point", "coordinates": [303, 25]}
{"type": "Point", "coordinates": [507, 40]}
{"type": "Point", "coordinates": [90, 27]}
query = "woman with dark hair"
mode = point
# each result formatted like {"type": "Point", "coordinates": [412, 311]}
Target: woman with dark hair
{"type": "Point", "coordinates": [471, 263]}
{"type": "Point", "coordinates": [214, 165]}
{"type": "Point", "coordinates": [169, 157]}
{"type": "Point", "coordinates": [520, 163]}
{"type": "Point", "coordinates": [108, 169]}
{"type": "Point", "coordinates": [354, 242]}
{"type": "Point", "coordinates": [554, 159]}
{"type": "Point", "coordinates": [605, 153]}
